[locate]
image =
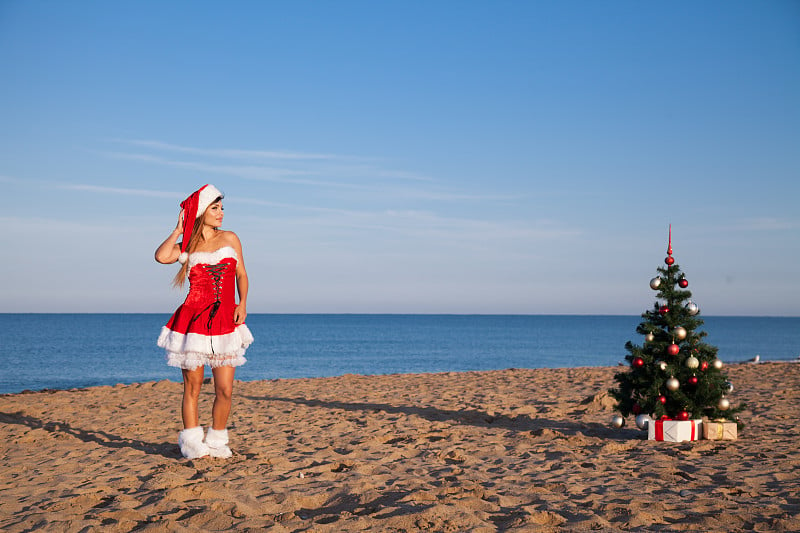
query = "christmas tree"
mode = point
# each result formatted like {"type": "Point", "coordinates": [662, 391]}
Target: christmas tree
{"type": "Point", "coordinates": [674, 373]}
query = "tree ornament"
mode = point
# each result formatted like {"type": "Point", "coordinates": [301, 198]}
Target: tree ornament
{"type": "Point", "coordinates": [724, 404]}
{"type": "Point", "coordinates": [680, 333]}
{"type": "Point", "coordinates": [704, 365]}
{"type": "Point", "coordinates": [717, 363]}
{"type": "Point", "coordinates": [693, 381]}
{"type": "Point", "coordinates": [692, 362]}
{"type": "Point", "coordinates": [650, 337]}
{"type": "Point", "coordinates": [663, 310]}
{"type": "Point", "coordinates": [669, 260]}
{"type": "Point", "coordinates": [673, 384]}
{"type": "Point", "coordinates": [637, 362]}
{"type": "Point", "coordinates": [661, 364]}
{"type": "Point", "coordinates": [636, 409]}
{"type": "Point", "coordinates": [662, 399]}
{"type": "Point", "coordinates": [617, 421]}
{"type": "Point", "coordinates": [692, 308]}
{"type": "Point", "coordinates": [673, 349]}
{"type": "Point", "coordinates": [683, 415]}
{"type": "Point", "coordinates": [643, 421]}
{"type": "Point", "coordinates": [669, 243]}
{"type": "Point", "coordinates": [655, 283]}
{"type": "Point", "coordinates": [683, 283]}
{"type": "Point", "coordinates": [729, 386]}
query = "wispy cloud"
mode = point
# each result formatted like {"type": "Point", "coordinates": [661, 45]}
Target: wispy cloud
{"type": "Point", "coordinates": [300, 163]}
{"type": "Point", "coordinates": [35, 227]}
{"type": "Point", "coordinates": [362, 179]}
{"type": "Point", "coordinates": [332, 176]}
{"type": "Point", "coordinates": [237, 153]}
{"type": "Point", "coordinates": [120, 190]}
{"type": "Point", "coordinates": [767, 224]}
{"type": "Point", "coordinates": [268, 173]}
{"type": "Point", "coordinates": [253, 172]}
{"type": "Point", "coordinates": [424, 226]}
{"type": "Point", "coordinates": [755, 224]}
{"type": "Point", "coordinates": [297, 207]}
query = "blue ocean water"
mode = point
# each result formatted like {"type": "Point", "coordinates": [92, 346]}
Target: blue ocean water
{"type": "Point", "coordinates": [61, 351]}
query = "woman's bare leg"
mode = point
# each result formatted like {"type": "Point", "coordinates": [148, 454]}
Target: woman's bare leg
{"type": "Point", "coordinates": [192, 382]}
{"type": "Point", "coordinates": [223, 388]}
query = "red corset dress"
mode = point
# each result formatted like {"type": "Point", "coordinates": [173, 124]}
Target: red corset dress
{"type": "Point", "coordinates": [202, 330]}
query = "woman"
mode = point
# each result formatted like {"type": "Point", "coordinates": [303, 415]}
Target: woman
{"type": "Point", "coordinates": [208, 329]}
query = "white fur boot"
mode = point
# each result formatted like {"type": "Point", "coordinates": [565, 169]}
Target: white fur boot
{"type": "Point", "coordinates": [191, 443]}
{"type": "Point", "coordinates": [217, 441]}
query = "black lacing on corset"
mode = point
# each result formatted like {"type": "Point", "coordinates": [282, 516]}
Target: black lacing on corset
{"type": "Point", "coordinates": [216, 272]}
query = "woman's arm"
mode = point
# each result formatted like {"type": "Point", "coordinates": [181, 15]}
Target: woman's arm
{"type": "Point", "coordinates": [169, 250]}
{"type": "Point", "coordinates": [242, 284]}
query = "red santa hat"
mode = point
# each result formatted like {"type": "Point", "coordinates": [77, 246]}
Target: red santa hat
{"type": "Point", "coordinates": [194, 207]}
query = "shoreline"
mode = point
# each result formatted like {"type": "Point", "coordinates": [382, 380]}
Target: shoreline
{"type": "Point", "coordinates": [207, 379]}
{"type": "Point", "coordinates": [514, 449]}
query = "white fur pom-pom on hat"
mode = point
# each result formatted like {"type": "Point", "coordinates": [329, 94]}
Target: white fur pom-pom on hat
{"type": "Point", "coordinates": [183, 258]}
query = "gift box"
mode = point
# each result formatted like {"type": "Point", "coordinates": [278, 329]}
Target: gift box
{"type": "Point", "coordinates": [669, 430]}
{"type": "Point", "coordinates": [719, 430]}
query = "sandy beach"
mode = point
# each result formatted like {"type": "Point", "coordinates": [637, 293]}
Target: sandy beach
{"type": "Point", "coordinates": [510, 450]}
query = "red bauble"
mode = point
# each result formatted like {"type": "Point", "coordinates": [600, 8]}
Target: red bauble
{"type": "Point", "coordinates": [693, 381]}
{"type": "Point", "coordinates": [683, 415]}
{"type": "Point", "coordinates": [704, 365]}
{"type": "Point", "coordinates": [673, 349]}
{"type": "Point", "coordinates": [662, 399]}
{"type": "Point", "coordinates": [636, 409]}
{"type": "Point", "coordinates": [638, 362]}
{"type": "Point", "coordinates": [683, 283]}
{"type": "Point", "coordinates": [663, 310]}
{"type": "Point", "coordinates": [669, 260]}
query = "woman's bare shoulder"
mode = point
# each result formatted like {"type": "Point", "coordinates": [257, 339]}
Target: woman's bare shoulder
{"type": "Point", "coordinates": [229, 238]}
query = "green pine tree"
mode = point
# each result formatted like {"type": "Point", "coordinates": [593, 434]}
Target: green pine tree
{"type": "Point", "coordinates": [673, 348]}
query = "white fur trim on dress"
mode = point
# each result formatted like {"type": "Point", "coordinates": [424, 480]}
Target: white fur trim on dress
{"type": "Point", "coordinates": [193, 350]}
{"type": "Point", "coordinates": [211, 258]}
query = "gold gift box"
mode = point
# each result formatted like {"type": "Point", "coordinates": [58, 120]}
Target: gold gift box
{"type": "Point", "coordinates": [719, 430]}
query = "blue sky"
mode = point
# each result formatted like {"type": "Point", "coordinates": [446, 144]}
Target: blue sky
{"type": "Point", "coordinates": [432, 157]}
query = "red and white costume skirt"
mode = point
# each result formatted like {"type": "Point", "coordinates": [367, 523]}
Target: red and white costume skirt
{"type": "Point", "coordinates": [202, 330]}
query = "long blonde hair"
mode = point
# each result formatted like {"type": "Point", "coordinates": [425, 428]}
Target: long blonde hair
{"type": "Point", "coordinates": [194, 241]}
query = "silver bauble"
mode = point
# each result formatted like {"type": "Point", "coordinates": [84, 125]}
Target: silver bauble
{"type": "Point", "coordinates": [680, 333]}
{"type": "Point", "coordinates": [729, 386]}
{"type": "Point", "coordinates": [716, 363]}
{"type": "Point", "coordinates": [692, 308]}
{"type": "Point", "coordinates": [692, 362]}
{"type": "Point", "coordinates": [673, 384]}
{"type": "Point", "coordinates": [649, 337]}
{"type": "Point", "coordinates": [723, 404]}
{"type": "Point", "coordinates": [642, 421]}
{"type": "Point", "coordinates": [655, 283]}
{"type": "Point", "coordinates": [617, 421]}
{"type": "Point", "coordinates": [662, 365]}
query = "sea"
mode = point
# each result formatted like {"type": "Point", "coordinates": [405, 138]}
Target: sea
{"type": "Point", "coordinates": [65, 351]}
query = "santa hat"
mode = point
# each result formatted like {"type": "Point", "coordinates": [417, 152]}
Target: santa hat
{"type": "Point", "coordinates": [194, 207]}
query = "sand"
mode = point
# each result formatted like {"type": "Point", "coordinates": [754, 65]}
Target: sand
{"type": "Point", "coordinates": [510, 450]}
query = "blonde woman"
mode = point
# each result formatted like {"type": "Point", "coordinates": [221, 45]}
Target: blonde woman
{"type": "Point", "coordinates": [208, 328]}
